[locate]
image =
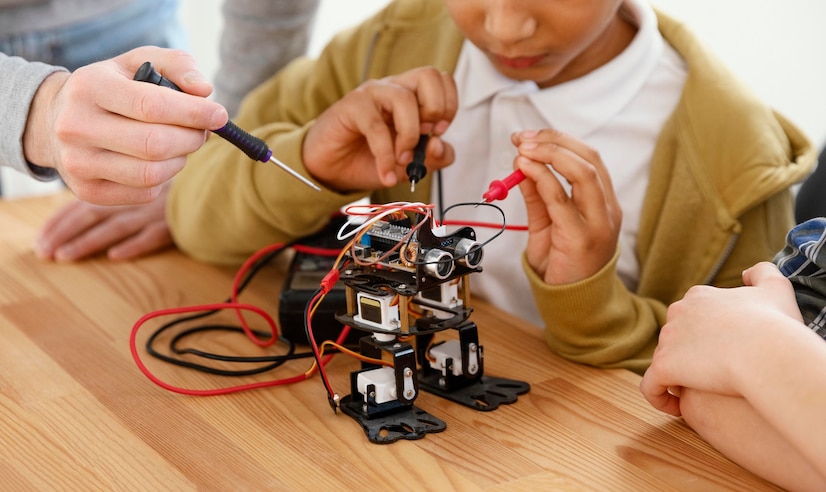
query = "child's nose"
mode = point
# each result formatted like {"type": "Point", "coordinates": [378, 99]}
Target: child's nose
{"type": "Point", "coordinates": [508, 23]}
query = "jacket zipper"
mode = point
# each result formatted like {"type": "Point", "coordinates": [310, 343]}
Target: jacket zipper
{"type": "Point", "coordinates": [719, 265]}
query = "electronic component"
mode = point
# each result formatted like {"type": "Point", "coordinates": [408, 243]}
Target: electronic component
{"type": "Point", "coordinates": [444, 295]}
{"type": "Point", "coordinates": [304, 275]}
{"type": "Point", "coordinates": [416, 170]}
{"type": "Point", "coordinates": [254, 147]}
{"type": "Point", "coordinates": [383, 381]}
{"type": "Point", "coordinates": [448, 357]}
{"type": "Point", "coordinates": [378, 311]}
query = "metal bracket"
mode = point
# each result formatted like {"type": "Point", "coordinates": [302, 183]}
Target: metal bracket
{"type": "Point", "coordinates": [410, 424]}
{"type": "Point", "coordinates": [485, 394]}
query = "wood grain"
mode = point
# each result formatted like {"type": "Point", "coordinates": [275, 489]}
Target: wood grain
{"type": "Point", "coordinates": [77, 414]}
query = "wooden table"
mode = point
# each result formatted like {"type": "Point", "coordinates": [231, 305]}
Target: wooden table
{"type": "Point", "coordinates": [77, 414]}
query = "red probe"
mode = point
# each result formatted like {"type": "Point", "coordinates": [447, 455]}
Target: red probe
{"type": "Point", "coordinates": [498, 189]}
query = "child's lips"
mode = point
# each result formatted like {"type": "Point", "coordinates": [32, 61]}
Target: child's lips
{"type": "Point", "coordinates": [519, 62]}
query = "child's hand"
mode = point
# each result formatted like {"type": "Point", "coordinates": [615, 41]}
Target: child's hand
{"type": "Point", "coordinates": [570, 238]}
{"type": "Point", "coordinates": [365, 140]}
{"type": "Point", "coordinates": [713, 336]}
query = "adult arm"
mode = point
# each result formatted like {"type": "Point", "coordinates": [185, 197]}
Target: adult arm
{"type": "Point", "coordinates": [20, 81]}
{"type": "Point", "coordinates": [114, 140]}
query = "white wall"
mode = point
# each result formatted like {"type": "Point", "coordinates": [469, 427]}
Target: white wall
{"type": "Point", "coordinates": [778, 48]}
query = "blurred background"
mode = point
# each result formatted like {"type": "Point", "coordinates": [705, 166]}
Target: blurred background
{"type": "Point", "coordinates": [777, 48]}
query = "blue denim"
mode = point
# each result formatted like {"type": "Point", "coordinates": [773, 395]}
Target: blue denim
{"type": "Point", "coordinates": [144, 22]}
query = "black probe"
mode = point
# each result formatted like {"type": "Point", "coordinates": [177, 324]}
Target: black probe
{"type": "Point", "coordinates": [416, 170]}
{"type": "Point", "coordinates": [254, 147]}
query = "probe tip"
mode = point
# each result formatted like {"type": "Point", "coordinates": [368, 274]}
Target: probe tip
{"type": "Point", "coordinates": [293, 173]}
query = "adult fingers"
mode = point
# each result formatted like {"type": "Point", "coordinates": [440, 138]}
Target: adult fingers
{"type": "Point", "coordinates": [68, 222]}
{"type": "Point", "coordinates": [102, 192]}
{"type": "Point", "coordinates": [176, 65]}
{"type": "Point", "coordinates": [110, 89]}
{"type": "Point", "coordinates": [98, 237]}
{"type": "Point", "coordinates": [106, 172]}
{"type": "Point", "coordinates": [122, 142]}
{"type": "Point", "coordinates": [150, 239]}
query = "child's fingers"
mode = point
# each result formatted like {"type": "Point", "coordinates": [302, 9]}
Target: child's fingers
{"type": "Point", "coordinates": [550, 199]}
{"type": "Point", "coordinates": [436, 95]}
{"type": "Point", "coordinates": [553, 138]}
{"type": "Point", "coordinates": [657, 394]}
{"type": "Point", "coordinates": [591, 196]}
{"type": "Point", "coordinates": [767, 275]}
{"type": "Point", "coordinates": [762, 273]}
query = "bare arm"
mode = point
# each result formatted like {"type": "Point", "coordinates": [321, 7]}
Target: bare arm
{"type": "Point", "coordinates": [747, 343]}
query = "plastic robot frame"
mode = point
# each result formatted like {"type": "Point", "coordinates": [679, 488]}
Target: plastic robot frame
{"type": "Point", "coordinates": [408, 280]}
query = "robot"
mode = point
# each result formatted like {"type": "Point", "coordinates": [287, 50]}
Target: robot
{"type": "Point", "coordinates": [407, 280]}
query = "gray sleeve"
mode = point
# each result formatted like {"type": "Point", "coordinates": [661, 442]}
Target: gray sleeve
{"type": "Point", "coordinates": [20, 3]}
{"type": "Point", "coordinates": [259, 38]}
{"type": "Point", "coordinates": [18, 84]}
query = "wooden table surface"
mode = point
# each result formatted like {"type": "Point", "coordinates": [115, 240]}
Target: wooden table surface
{"type": "Point", "coordinates": [77, 414]}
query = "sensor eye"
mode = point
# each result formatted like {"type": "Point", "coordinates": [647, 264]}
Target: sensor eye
{"type": "Point", "coordinates": [468, 252]}
{"type": "Point", "coordinates": [438, 263]}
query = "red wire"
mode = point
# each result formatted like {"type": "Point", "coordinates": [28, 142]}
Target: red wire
{"type": "Point", "coordinates": [238, 308]}
{"type": "Point", "coordinates": [316, 299]}
{"type": "Point", "coordinates": [489, 225]}
{"type": "Point", "coordinates": [242, 273]}
{"type": "Point", "coordinates": [206, 307]}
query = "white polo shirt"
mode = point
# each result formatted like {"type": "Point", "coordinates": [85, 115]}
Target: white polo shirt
{"type": "Point", "coordinates": [618, 109]}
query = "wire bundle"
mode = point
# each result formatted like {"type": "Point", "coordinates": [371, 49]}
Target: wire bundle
{"type": "Point", "coordinates": [361, 219]}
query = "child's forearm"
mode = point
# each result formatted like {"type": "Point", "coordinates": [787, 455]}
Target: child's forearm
{"type": "Point", "coordinates": [781, 371]}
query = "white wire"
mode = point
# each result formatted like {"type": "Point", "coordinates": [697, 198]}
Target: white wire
{"type": "Point", "coordinates": [388, 209]}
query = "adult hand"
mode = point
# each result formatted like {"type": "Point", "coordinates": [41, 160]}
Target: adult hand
{"type": "Point", "coordinates": [115, 140]}
{"type": "Point", "coordinates": [703, 344]}
{"type": "Point", "coordinates": [570, 237]}
{"type": "Point", "coordinates": [79, 230]}
{"type": "Point", "coordinates": [365, 140]}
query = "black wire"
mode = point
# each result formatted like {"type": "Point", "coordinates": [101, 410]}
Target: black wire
{"type": "Point", "coordinates": [482, 204]}
{"type": "Point", "coordinates": [275, 360]}
{"type": "Point", "coordinates": [441, 195]}
{"type": "Point", "coordinates": [481, 245]}
{"type": "Point", "coordinates": [307, 308]}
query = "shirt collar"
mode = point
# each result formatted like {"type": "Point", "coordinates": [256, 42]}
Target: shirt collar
{"type": "Point", "coordinates": [582, 105]}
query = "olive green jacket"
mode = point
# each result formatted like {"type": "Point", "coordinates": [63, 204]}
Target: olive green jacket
{"type": "Point", "coordinates": [717, 202]}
